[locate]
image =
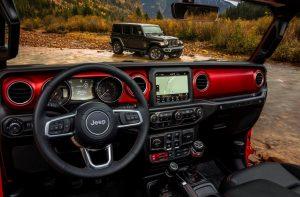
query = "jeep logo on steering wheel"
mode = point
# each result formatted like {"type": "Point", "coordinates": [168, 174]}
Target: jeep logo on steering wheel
{"type": "Point", "coordinates": [97, 122]}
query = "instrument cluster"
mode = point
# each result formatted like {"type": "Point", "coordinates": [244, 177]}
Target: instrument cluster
{"type": "Point", "coordinates": [107, 89]}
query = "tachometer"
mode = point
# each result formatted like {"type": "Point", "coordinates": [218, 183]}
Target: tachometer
{"type": "Point", "coordinates": [109, 89]}
{"type": "Point", "coordinates": [60, 96]}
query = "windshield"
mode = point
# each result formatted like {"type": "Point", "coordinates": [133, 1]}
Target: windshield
{"type": "Point", "coordinates": [64, 31]}
{"type": "Point", "coordinates": [152, 30]}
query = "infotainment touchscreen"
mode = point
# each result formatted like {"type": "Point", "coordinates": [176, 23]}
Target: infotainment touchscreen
{"type": "Point", "coordinates": [172, 87]}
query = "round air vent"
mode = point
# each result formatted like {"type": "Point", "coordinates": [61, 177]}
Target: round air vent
{"type": "Point", "coordinates": [259, 79]}
{"type": "Point", "coordinates": [141, 83]}
{"type": "Point", "coordinates": [20, 93]}
{"type": "Point", "coordinates": [202, 82]}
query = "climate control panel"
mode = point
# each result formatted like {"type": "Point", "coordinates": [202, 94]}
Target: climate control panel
{"type": "Point", "coordinates": [173, 118]}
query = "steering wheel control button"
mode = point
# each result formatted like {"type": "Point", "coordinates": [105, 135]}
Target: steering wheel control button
{"type": "Point", "coordinates": [60, 127]}
{"type": "Point", "coordinates": [129, 118]}
{"type": "Point", "coordinates": [97, 122]}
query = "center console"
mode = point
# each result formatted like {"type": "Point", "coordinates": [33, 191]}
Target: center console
{"type": "Point", "coordinates": [172, 88]}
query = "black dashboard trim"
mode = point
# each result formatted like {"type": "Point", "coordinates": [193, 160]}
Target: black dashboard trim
{"type": "Point", "coordinates": [128, 65]}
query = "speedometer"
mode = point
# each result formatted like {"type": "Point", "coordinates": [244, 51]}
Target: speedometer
{"type": "Point", "coordinates": [109, 89]}
{"type": "Point", "coordinates": [60, 96]}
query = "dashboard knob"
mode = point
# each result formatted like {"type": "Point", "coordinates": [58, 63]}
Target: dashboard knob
{"type": "Point", "coordinates": [157, 142]}
{"type": "Point", "coordinates": [178, 115]}
{"type": "Point", "coordinates": [153, 118]}
{"type": "Point", "coordinates": [197, 149]}
{"type": "Point", "coordinates": [14, 128]}
{"type": "Point", "coordinates": [199, 113]}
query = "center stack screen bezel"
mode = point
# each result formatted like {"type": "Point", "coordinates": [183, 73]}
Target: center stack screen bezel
{"type": "Point", "coordinates": [169, 71]}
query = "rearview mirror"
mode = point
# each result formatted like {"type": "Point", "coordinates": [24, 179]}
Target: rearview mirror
{"type": "Point", "coordinates": [194, 11]}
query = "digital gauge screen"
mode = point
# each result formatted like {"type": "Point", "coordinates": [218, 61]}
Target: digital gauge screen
{"type": "Point", "coordinates": [82, 89]}
{"type": "Point", "coordinates": [172, 87]}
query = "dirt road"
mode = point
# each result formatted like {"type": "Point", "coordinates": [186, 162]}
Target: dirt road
{"type": "Point", "coordinates": [276, 134]}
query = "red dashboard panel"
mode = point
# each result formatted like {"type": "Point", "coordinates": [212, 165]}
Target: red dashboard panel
{"type": "Point", "coordinates": [225, 82]}
{"type": "Point", "coordinates": [37, 81]}
{"type": "Point", "coordinates": [222, 82]}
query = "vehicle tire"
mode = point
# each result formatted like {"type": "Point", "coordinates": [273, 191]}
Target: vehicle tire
{"type": "Point", "coordinates": [117, 47]}
{"type": "Point", "coordinates": [156, 53]}
{"type": "Point", "coordinates": [175, 54]}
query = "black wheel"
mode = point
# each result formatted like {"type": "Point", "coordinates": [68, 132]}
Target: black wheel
{"type": "Point", "coordinates": [117, 47]}
{"type": "Point", "coordinates": [175, 54]}
{"type": "Point", "coordinates": [156, 53]}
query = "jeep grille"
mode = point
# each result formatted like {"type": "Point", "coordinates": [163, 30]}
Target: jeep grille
{"type": "Point", "coordinates": [173, 43]}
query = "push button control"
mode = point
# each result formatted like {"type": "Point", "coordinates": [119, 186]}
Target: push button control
{"type": "Point", "coordinates": [60, 127]}
{"type": "Point", "coordinates": [157, 143]}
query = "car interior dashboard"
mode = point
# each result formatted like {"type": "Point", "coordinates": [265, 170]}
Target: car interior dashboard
{"type": "Point", "coordinates": [187, 102]}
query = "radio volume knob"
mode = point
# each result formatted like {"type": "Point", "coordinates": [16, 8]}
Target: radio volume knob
{"type": "Point", "coordinates": [178, 115]}
{"type": "Point", "coordinates": [153, 118]}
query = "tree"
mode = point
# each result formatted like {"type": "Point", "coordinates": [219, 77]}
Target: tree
{"type": "Point", "coordinates": [146, 16]}
{"type": "Point", "coordinates": [159, 16]}
{"type": "Point", "coordinates": [75, 10]}
{"type": "Point", "coordinates": [86, 10]}
{"type": "Point", "coordinates": [138, 12]}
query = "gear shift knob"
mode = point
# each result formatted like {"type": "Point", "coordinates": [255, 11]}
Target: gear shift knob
{"type": "Point", "coordinates": [197, 149]}
{"type": "Point", "coordinates": [172, 169]}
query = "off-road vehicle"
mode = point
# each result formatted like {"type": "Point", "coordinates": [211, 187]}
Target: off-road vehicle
{"type": "Point", "coordinates": [144, 39]}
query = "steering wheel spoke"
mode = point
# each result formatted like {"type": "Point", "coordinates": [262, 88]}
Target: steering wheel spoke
{"type": "Point", "coordinates": [128, 117]}
{"type": "Point", "coordinates": [89, 160]}
{"type": "Point", "coordinates": [60, 126]}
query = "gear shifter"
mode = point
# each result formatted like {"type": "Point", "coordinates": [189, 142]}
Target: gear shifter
{"type": "Point", "coordinates": [171, 170]}
{"type": "Point", "coordinates": [175, 181]}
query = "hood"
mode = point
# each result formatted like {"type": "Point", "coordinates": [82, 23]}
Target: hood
{"type": "Point", "coordinates": [162, 37]}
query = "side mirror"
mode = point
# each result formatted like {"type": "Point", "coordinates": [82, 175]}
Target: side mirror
{"type": "Point", "coordinates": [10, 25]}
{"type": "Point", "coordinates": [195, 11]}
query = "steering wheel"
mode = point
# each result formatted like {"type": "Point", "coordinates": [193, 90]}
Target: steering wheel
{"type": "Point", "coordinates": [93, 126]}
